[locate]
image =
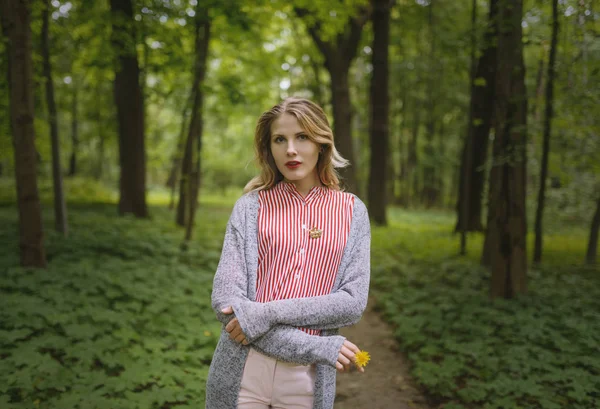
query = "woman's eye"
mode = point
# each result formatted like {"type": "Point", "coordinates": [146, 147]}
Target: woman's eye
{"type": "Point", "coordinates": [302, 137]}
{"type": "Point", "coordinates": [279, 139]}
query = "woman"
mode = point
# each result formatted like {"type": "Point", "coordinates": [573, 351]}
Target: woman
{"type": "Point", "coordinates": [294, 268]}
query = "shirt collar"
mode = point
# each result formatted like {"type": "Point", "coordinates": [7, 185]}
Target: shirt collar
{"type": "Point", "coordinates": [313, 193]}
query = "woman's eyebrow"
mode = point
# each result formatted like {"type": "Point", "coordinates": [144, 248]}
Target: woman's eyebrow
{"type": "Point", "coordinates": [296, 134]}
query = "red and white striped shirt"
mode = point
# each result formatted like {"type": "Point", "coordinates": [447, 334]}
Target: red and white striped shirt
{"type": "Point", "coordinates": [291, 264]}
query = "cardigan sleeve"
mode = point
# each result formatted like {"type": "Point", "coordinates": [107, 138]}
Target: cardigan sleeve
{"type": "Point", "coordinates": [231, 280]}
{"type": "Point", "coordinates": [342, 307]}
{"type": "Point", "coordinates": [290, 344]}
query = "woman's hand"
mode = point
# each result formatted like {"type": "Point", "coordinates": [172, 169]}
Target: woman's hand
{"type": "Point", "coordinates": [346, 357]}
{"type": "Point", "coordinates": [234, 329]}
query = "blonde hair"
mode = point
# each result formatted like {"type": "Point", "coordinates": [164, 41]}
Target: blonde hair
{"type": "Point", "coordinates": [314, 122]}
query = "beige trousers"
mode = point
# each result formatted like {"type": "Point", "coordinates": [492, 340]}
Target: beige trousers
{"type": "Point", "coordinates": [269, 383]}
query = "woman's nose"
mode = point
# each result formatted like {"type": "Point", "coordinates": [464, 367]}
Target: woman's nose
{"type": "Point", "coordinates": [291, 149]}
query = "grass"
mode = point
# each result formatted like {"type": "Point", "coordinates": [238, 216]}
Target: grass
{"type": "Point", "coordinates": [537, 351]}
{"type": "Point", "coordinates": [121, 318]}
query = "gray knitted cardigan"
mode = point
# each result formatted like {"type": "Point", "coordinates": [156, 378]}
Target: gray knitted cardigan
{"type": "Point", "coordinates": [271, 328]}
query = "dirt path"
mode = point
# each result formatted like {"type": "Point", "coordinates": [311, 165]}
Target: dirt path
{"type": "Point", "coordinates": [386, 383]}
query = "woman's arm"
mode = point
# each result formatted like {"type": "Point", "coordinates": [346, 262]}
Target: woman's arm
{"type": "Point", "coordinates": [340, 308]}
{"type": "Point", "coordinates": [230, 283]}
{"type": "Point", "coordinates": [290, 344]}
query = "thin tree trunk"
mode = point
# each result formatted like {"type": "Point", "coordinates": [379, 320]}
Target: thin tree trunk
{"type": "Point", "coordinates": [441, 169]}
{"type": "Point", "coordinates": [412, 177]}
{"type": "Point", "coordinates": [101, 137]}
{"type": "Point", "coordinates": [592, 249]}
{"type": "Point", "coordinates": [60, 208]}
{"type": "Point", "coordinates": [317, 84]}
{"type": "Point", "coordinates": [472, 179]}
{"type": "Point", "coordinates": [177, 157]}
{"type": "Point", "coordinates": [539, 87]}
{"type": "Point", "coordinates": [429, 193]}
{"type": "Point", "coordinates": [537, 253]}
{"type": "Point", "coordinates": [15, 19]}
{"type": "Point", "coordinates": [402, 198]}
{"type": "Point", "coordinates": [130, 112]}
{"type": "Point", "coordinates": [507, 229]}
{"type": "Point", "coordinates": [187, 192]}
{"type": "Point", "coordinates": [467, 153]}
{"type": "Point", "coordinates": [379, 112]}
{"type": "Point", "coordinates": [196, 177]}
{"type": "Point", "coordinates": [186, 170]}
{"type": "Point", "coordinates": [400, 114]}
{"type": "Point", "coordinates": [74, 132]}
{"type": "Point", "coordinates": [339, 54]}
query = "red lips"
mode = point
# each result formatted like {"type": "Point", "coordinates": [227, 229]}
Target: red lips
{"type": "Point", "coordinates": [293, 164]}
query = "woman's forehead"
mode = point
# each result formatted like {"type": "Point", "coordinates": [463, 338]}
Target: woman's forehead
{"type": "Point", "coordinates": [286, 124]}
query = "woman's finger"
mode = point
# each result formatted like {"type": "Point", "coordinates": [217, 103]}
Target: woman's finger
{"type": "Point", "coordinates": [343, 360]}
{"type": "Point", "coordinates": [231, 325]}
{"type": "Point", "coordinates": [240, 338]}
{"type": "Point", "coordinates": [235, 332]}
{"type": "Point", "coordinates": [352, 347]}
{"type": "Point", "coordinates": [347, 353]}
{"type": "Point", "coordinates": [339, 367]}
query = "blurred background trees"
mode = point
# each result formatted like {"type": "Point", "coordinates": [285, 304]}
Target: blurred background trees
{"type": "Point", "coordinates": [163, 95]}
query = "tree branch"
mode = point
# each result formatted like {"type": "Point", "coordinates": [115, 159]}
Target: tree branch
{"type": "Point", "coordinates": [325, 47]}
{"type": "Point", "coordinates": [348, 41]}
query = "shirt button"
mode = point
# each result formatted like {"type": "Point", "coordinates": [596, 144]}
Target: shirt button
{"type": "Point", "coordinates": [301, 251]}
{"type": "Point", "coordinates": [297, 276]}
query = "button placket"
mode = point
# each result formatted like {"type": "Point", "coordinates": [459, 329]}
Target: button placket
{"type": "Point", "coordinates": [302, 242]}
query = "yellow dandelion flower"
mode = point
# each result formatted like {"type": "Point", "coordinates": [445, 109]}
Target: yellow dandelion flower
{"type": "Point", "coordinates": [362, 358]}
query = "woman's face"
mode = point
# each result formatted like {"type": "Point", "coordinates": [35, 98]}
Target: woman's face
{"type": "Point", "coordinates": [295, 155]}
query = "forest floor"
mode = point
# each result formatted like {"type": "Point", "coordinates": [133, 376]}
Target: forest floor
{"type": "Point", "coordinates": [386, 383]}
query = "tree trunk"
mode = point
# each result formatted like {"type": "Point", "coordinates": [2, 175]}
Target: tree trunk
{"type": "Point", "coordinates": [467, 153]}
{"type": "Point", "coordinates": [188, 190]}
{"type": "Point", "coordinates": [101, 137]}
{"type": "Point", "coordinates": [339, 54]}
{"type": "Point", "coordinates": [342, 123]}
{"type": "Point", "coordinates": [592, 249]}
{"type": "Point", "coordinates": [412, 163]}
{"type": "Point", "coordinates": [196, 178]}
{"type": "Point", "coordinates": [539, 87]}
{"type": "Point", "coordinates": [74, 133]}
{"type": "Point", "coordinates": [402, 198]}
{"type": "Point", "coordinates": [60, 208]}
{"type": "Point", "coordinates": [15, 19]}
{"type": "Point", "coordinates": [379, 112]}
{"type": "Point", "coordinates": [475, 150]}
{"type": "Point", "coordinates": [176, 162]}
{"type": "Point", "coordinates": [130, 112]}
{"type": "Point", "coordinates": [317, 85]}
{"type": "Point", "coordinates": [507, 229]}
{"type": "Point", "coordinates": [537, 253]}
{"type": "Point", "coordinates": [429, 193]}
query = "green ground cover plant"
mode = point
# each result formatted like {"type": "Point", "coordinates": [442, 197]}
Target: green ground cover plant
{"type": "Point", "coordinates": [537, 352]}
{"type": "Point", "coordinates": [120, 319]}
